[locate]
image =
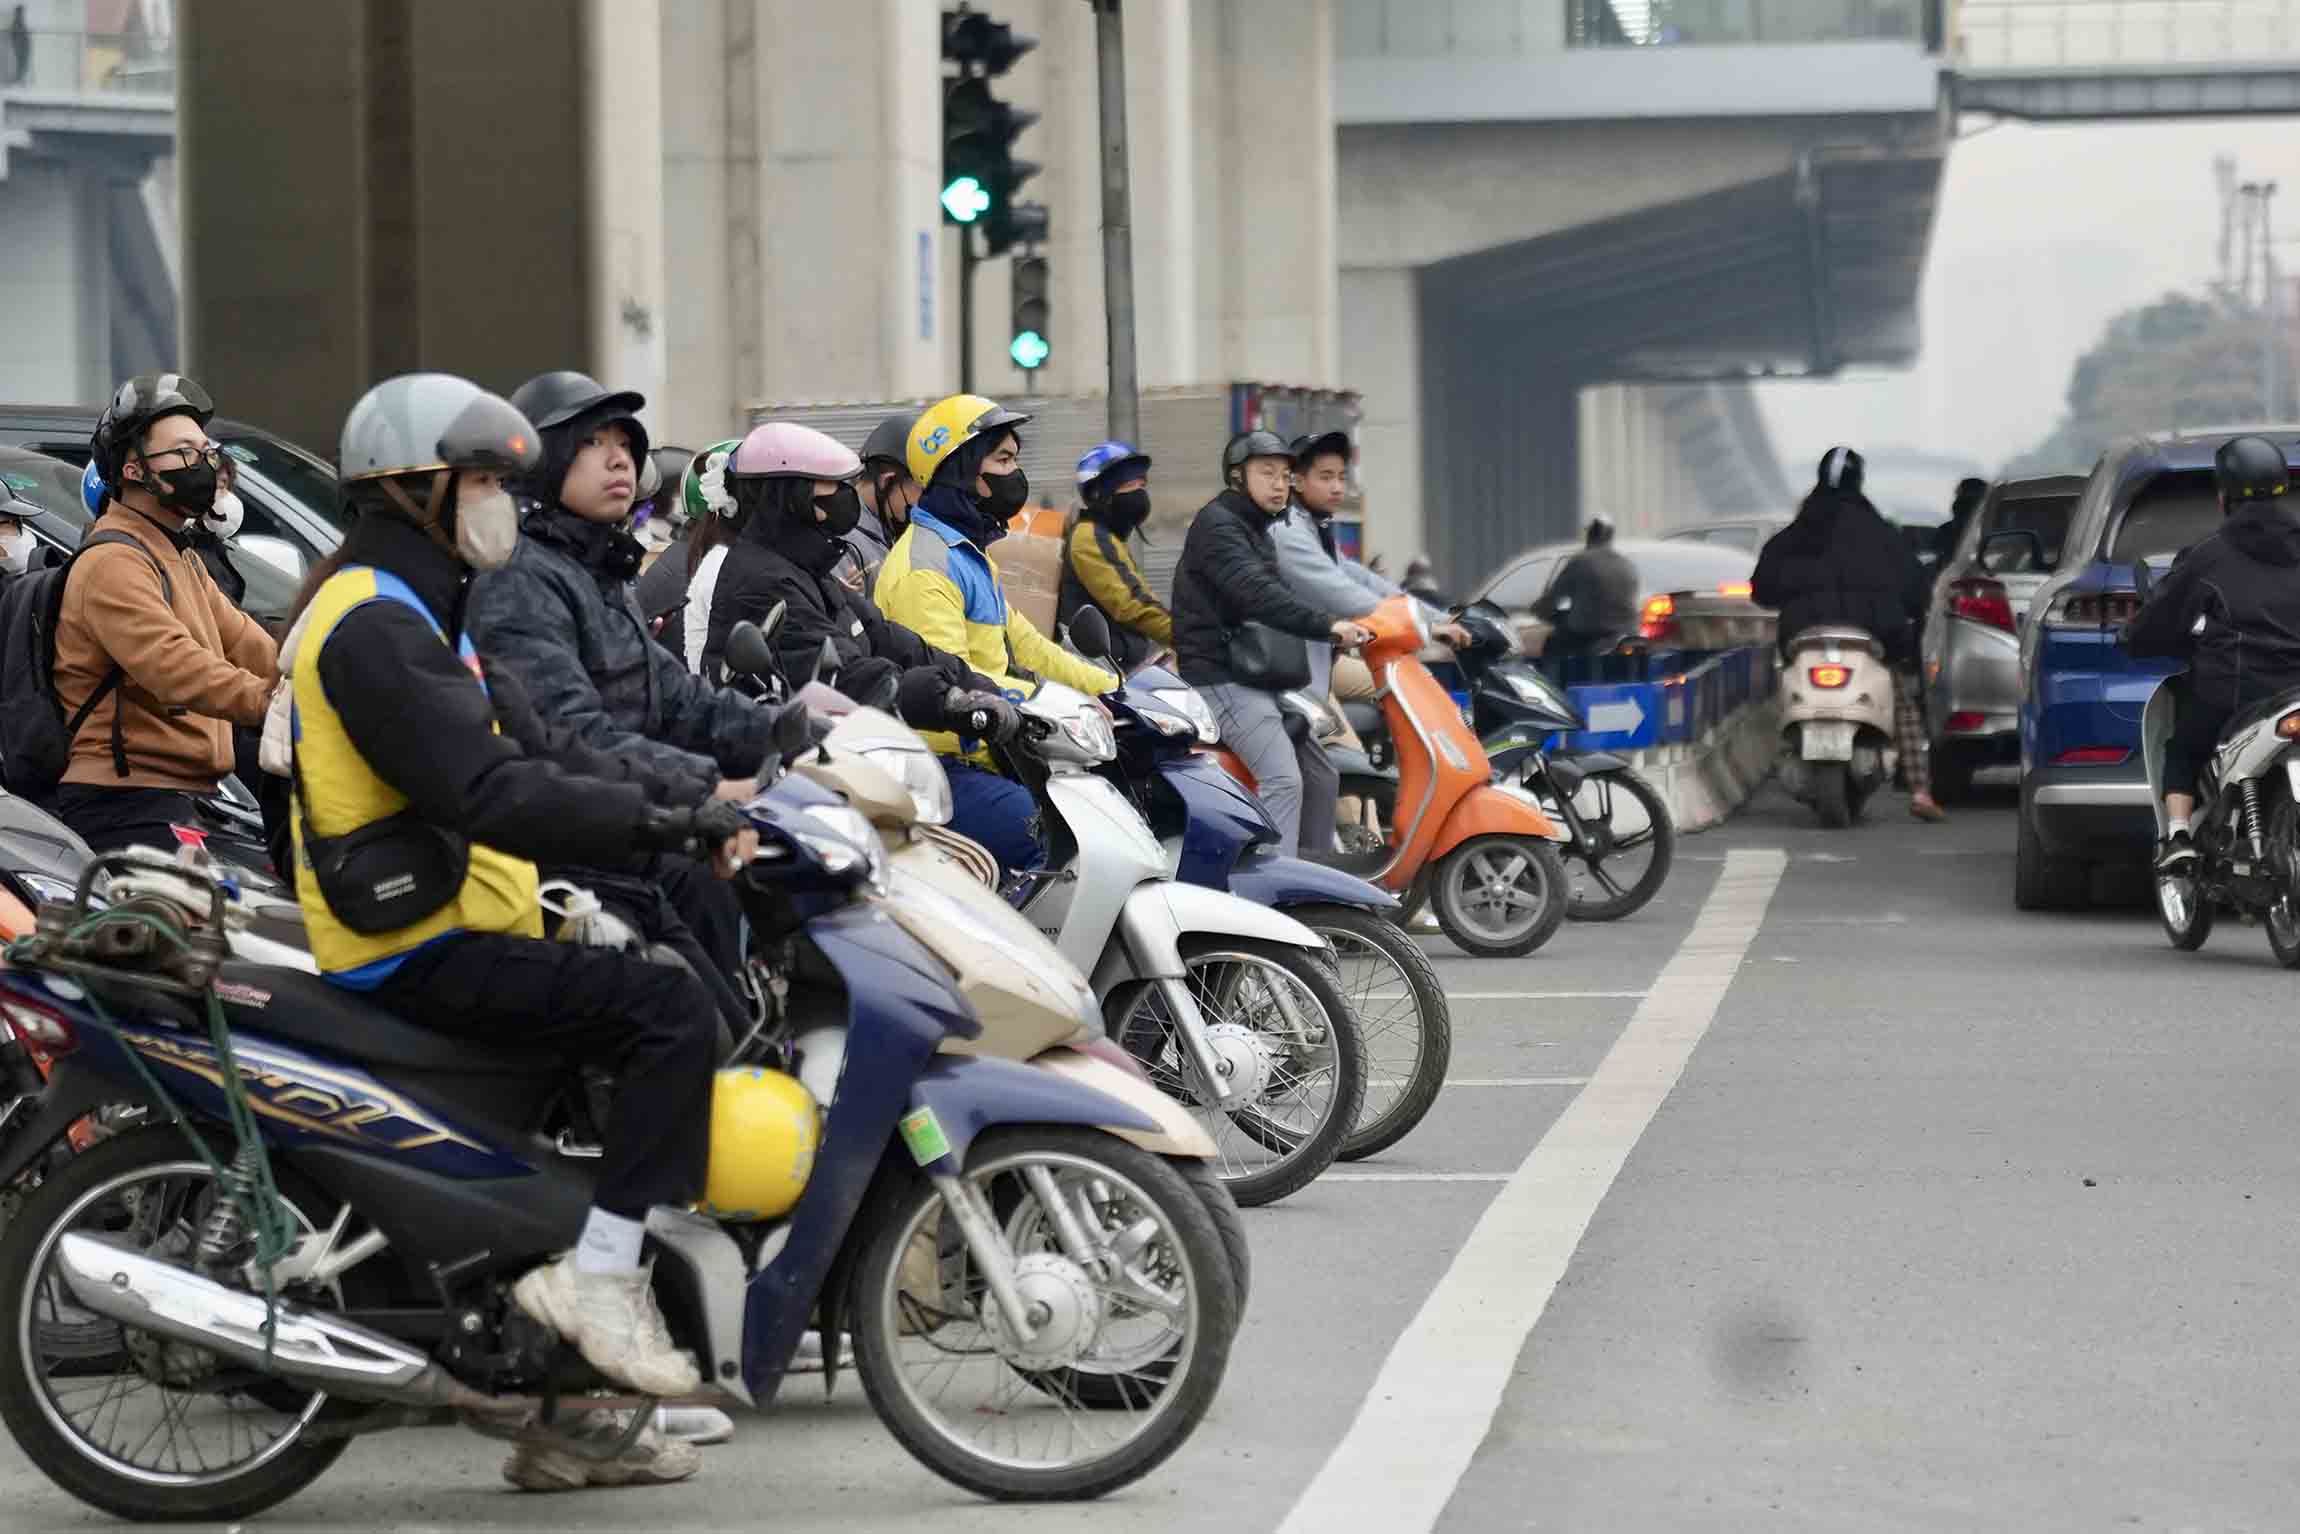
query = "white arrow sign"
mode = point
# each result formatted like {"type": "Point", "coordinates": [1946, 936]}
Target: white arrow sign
{"type": "Point", "coordinates": [1618, 718]}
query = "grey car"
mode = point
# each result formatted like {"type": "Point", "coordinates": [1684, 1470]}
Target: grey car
{"type": "Point", "coordinates": [2009, 548]}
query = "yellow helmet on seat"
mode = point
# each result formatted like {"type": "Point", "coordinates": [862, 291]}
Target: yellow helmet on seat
{"type": "Point", "coordinates": [764, 1130]}
{"type": "Point", "coordinates": [947, 425]}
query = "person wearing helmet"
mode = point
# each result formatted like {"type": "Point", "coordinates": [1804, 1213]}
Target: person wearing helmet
{"type": "Point", "coordinates": [675, 591]}
{"type": "Point", "coordinates": [658, 517]}
{"type": "Point", "coordinates": [1229, 585]}
{"type": "Point", "coordinates": [414, 757]}
{"type": "Point", "coordinates": [1840, 562]}
{"type": "Point", "coordinates": [2230, 608]}
{"type": "Point", "coordinates": [1421, 581]}
{"type": "Point", "coordinates": [1591, 603]}
{"type": "Point", "coordinates": [888, 493]}
{"type": "Point", "coordinates": [146, 643]}
{"type": "Point", "coordinates": [1098, 570]}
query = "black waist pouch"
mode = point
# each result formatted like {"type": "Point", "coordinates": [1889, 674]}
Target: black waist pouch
{"type": "Point", "coordinates": [1271, 659]}
{"type": "Point", "coordinates": [388, 874]}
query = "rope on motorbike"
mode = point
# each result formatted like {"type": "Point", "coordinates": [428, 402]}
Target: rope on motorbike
{"type": "Point", "coordinates": [255, 1194]}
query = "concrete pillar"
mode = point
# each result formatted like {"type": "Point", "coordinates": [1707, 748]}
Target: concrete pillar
{"type": "Point", "coordinates": [703, 164]}
{"type": "Point", "coordinates": [1384, 362]}
{"type": "Point", "coordinates": [623, 197]}
{"type": "Point", "coordinates": [48, 304]}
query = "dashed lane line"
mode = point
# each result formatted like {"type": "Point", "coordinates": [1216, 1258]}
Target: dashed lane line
{"type": "Point", "coordinates": [1434, 1400]}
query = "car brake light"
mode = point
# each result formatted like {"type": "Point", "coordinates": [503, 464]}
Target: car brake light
{"type": "Point", "coordinates": [1962, 720]}
{"type": "Point", "coordinates": [38, 1026]}
{"type": "Point", "coordinates": [1830, 676]}
{"type": "Point", "coordinates": [2288, 727]}
{"type": "Point", "coordinates": [1980, 600]}
{"type": "Point", "coordinates": [1735, 589]}
{"type": "Point", "coordinates": [1658, 617]}
{"type": "Point", "coordinates": [2093, 756]}
{"type": "Point", "coordinates": [2093, 609]}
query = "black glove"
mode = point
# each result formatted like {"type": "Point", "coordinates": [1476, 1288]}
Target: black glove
{"type": "Point", "coordinates": [984, 716]}
{"type": "Point", "coordinates": [698, 831]}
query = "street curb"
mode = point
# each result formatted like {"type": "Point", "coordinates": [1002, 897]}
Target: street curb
{"type": "Point", "coordinates": [1705, 782]}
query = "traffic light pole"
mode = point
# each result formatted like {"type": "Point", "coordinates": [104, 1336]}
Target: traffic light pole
{"type": "Point", "coordinates": [966, 265]}
{"type": "Point", "coordinates": [1117, 223]}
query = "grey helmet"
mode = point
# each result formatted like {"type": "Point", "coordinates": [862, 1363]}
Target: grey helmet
{"type": "Point", "coordinates": [1253, 444]}
{"type": "Point", "coordinates": [889, 440]}
{"type": "Point", "coordinates": [143, 399]}
{"type": "Point", "coordinates": [422, 422]}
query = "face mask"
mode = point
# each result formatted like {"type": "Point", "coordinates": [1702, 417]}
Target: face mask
{"type": "Point", "coordinates": [486, 529]}
{"type": "Point", "coordinates": [841, 510]}
{"type": "Point", "coordinates": [225, 516]}
{"type": "Point", "coordinates": [1131, 507]}
{"type": "Point", "coordinates": [1008, 492]}
{"type": "Point", "coordinates": [16, 551]}
{"type": "Point", "coordinates": [191, 492]}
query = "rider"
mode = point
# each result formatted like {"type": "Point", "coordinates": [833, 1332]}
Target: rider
{"type": "Point", "coordinates": [1592, 602]}
{"type": "Point", "coordinates": [1098, 571]}
{"type": "Point", "coordinates": [888, 494]}
{"type": "Point", "coordinates": [418, 814]}
{"type": "Point", "coordinates": [938, 581]}
{"type": "Point", "coordinates": [2231, 609]}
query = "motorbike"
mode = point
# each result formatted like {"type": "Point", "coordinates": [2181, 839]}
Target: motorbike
{"type": "Point", "coordinates": [1618, 838]}
{"type": "Point", "coordinates": [1218, 836]}
{"type": "Point", "coordinates": [1836, 721]}
{"type": "Point", "coordinates": [972, 1221]}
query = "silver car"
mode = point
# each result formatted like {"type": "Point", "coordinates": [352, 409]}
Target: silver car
{"type": "Point", "coordinates": [1972, 633]}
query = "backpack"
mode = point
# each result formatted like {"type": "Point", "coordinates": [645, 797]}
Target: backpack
{"type": "Point", "coordinates": [35, 737]}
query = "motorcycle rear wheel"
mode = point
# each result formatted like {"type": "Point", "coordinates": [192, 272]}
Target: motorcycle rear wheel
{"type": "Point", "coordinates": [2283, 918]}
{"type": "Point", "coordinates": [1407, 1038]}
{"type": "Point", "coordinates": [2185, 912]}
{"type": "Point", "coordinates": [1833, 794]}
{"type": "Point", "coordinates": [1480, 888]}
{"type": "Point", "coordinates": [1609, 902]}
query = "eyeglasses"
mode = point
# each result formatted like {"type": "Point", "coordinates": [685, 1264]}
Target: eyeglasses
{"type": "Point", "coordinates": [187, 455]}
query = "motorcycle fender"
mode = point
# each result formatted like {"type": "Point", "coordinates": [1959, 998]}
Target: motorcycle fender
{"type": "Point", "coordinates": [1590, 763]}
{"type": "Point", "coordinates": [2292, 774]}
{"type": "Point", "coordinates": [1148, 942]}
{"type": "Point", "coordinates": [967, 1094]}
{"type": "Point", "coordinates": [1176, 1134]}
{"type": "Point", "coordinates": [1508, 762]}
{"type": "Point", "coordinates": [1488, 811]}
{"type": "Point", "coordinates": [72, 1094]}
{"type": "Point", "coordinates": [1268, 879]}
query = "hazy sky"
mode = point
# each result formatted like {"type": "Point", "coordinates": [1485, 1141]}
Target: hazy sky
{"type": "Point", "coordinates": [2040, 235]}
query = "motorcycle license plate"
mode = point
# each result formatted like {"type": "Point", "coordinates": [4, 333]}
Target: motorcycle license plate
{"type": "Point", "coordinates": [1828, 740]}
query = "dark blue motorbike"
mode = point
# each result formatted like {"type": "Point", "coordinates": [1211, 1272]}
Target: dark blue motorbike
{"type": "Point", "coordinates": [1010, 1249]}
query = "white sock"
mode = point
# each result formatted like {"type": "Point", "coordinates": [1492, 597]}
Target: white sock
{"type": "Point", "coordinates": [2176, 826]}
{"type": "Point", "coordinates": [610, 1243]}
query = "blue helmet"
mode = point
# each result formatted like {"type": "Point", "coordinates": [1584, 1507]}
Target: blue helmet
{"type": "Point", "coordinates": [1106, 461]}
{"type": "Point", "coordinates": [92, 490]}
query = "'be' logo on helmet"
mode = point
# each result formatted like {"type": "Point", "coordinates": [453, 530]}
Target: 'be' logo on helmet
{"type": "Point", "coordinates": [934, 439]}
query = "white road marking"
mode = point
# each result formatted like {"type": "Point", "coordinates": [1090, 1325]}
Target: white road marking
{"type": "Point", "coordinates": [1517, 1081]}
{"type": "Point", "coordinates": [1432, 1404]}
{"type": "Point", "coordinates": [1415, 1177]}
{"type": "Point", "coordinates": [1545, 995]}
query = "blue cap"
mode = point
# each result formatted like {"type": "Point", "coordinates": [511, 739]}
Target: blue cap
{"type": "Point", "coordinates": [1107, 458]}
{"type": "Point", "coordinates": [92, 490]}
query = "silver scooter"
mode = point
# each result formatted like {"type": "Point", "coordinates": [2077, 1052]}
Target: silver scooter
{"type": "Point", "coordinates": [1836, 721]}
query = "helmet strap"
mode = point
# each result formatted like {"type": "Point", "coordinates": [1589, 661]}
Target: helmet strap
{"type": "Point", "coordinates": [427, 516]}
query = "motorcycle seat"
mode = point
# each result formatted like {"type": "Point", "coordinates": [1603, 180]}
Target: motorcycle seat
{"type": "Point", "coordinates": [305, 1010]}
{"type": "Point", "coordinates": [1364, 717]}
{"type": "Point", "coordinates": [1359, 865]}
{"type": "Point", "coordinates": [2267, 708]}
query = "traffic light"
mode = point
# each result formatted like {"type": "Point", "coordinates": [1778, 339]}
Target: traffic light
{"type": "Point", "coordinates": [980, 174]}
{"type": "Point", "coordinates": [1029, 348]}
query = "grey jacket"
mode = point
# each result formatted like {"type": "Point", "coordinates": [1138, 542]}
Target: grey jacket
{"type": "Point", "coordinates": [562, 615]}
{"type": "Point", "coordinates": [1324, 579]}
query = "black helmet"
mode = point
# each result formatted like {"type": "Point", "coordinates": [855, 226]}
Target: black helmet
{"type": "Point", "coordinates": [1252, 444]}
{"type": "Point", "coordinates": [554, 399]}
{"type": "Point", "coordinates": [140, 401]}
{"type": "Point", "coordinates": [1309, 448]}
{"type": "Point", "coordinates": [2249, 469]}
{"type": "Point", "coordinates": [889, 441]}
{"type": "Point", "coordinates": [1842, 469]}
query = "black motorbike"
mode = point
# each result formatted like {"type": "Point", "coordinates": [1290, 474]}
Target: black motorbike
{"type": "Point", "coordinates": [1621, 840]}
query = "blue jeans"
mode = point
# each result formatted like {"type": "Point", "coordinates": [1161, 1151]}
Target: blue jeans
{"type": "Point", "coordinates": [995, 811]}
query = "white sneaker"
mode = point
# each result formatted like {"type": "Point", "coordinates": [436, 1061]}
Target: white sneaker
{"type": "Point", "coordinates": [697, 1425]}
{"type": "Point", "coordinates": [652, 1459]}
{"type": "Point", "coordinates": [613, 1321]}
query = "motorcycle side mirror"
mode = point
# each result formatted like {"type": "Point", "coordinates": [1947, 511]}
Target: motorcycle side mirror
{"type": "Point", "coordinates": [772, 623]}
{"type": "Point", "coordinates": [1090, 631]}
{"type": "Point", "coordinates": [826, 663]}
{"type": "Point", "coordinates": [748, 652]}
{"type": "Point", "coordinates": [794, 730]}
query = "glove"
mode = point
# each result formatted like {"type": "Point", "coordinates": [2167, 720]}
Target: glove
{"type": "Point", "coordinates": [699, 831]}
{"type": "Point", "coordinates": [984, 715]}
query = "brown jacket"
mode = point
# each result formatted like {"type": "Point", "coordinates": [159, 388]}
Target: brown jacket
{"type": "Point", "coordinates": [195, 666]}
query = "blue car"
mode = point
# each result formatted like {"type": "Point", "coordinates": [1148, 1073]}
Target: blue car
{"type": "Point", "coordinates": [2084, 799]}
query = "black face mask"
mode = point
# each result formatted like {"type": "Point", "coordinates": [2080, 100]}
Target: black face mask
{"type": "Point", "coordinates": [1008, 493]}
{"type": "Point", "coordinates": [841, 509]}
{"type": "Point", "coordinates": [1129, 509]}
{"type": "Point", "coordinates": [192, 491]}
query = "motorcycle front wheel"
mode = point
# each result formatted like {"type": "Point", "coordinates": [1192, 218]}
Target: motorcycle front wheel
{"type": "Point", "coordinates": [1153, 1319]}
{"type": "Point", "coordinates": [1404, 1025]}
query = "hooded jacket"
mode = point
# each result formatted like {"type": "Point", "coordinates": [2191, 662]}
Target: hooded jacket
{"type": "Point", "coordinates": [1841, 563]}
{"type": "Point", "coordinates": [2243, 584]}
{"type": "Point", "coordinates": [563, 616]}
{"type": "Point", "coordinates": [1229, 577]}
{"type": "Point", "coordinates": [1098, 571]}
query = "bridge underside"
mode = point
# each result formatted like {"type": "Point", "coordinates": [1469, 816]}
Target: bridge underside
{"type": "Point", "coordinates": [2126, 92]}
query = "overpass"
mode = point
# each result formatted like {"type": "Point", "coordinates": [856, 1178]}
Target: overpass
{"type": "Point", "coordinates": [2101, 60]}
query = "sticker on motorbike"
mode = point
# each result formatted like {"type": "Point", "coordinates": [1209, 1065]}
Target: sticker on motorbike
{"type": "Point", "coordinates": [922, 1132]}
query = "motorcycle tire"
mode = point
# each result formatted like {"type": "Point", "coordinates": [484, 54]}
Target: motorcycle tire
{"type": "Point", "coordinates": [1448, 895]}
{"type": "Point", "coordinates": [1640, 894]}
{"type": "Point", "coordinates": [70, 1466]}
{"type": "Point", "coordinates": [1396, 1100]}
{"type": "Point", "coordinates": [1833, 795]}
{"type": "Point", "coordinates": [2282, 920]}
{"type": "Point", "coordinates": [2185, 912]}
{"type": "Point", "coordinates": [879, 1329]}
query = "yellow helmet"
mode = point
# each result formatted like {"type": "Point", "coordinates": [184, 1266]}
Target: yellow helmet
{"type": "Point", "coordinates": [948, 425]}
{"type": "Point", "coordinates": [764, 1130]}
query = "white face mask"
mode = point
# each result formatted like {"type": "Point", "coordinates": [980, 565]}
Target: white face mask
{"type": "Point", "coordinates": [227, 514]}
{"type": "Point", "coordinates": [486, 529]}
{"type": "Point", "coordinates": [16, 551]}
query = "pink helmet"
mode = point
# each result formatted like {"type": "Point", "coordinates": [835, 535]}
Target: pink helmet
{"type": "Point", "coordinates": [787, 450]}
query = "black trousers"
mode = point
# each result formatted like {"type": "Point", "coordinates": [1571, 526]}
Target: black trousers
{"type": "Point", "coordinates": [680, 904]}
{"type": "Point", "coordinates": [652, 1025]}
{"type": "Point", "coordinates": [108, 819]}
{"type": "Point", "coordinates": [2196, 727]}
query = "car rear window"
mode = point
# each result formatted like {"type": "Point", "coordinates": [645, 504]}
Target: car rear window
{"type": "Point", "coordinates": [53, 487]}
{"type": "Point", "coordinates": [2172, 512]}
{"type": "Point", "coordinates": [2047, 516]}
{"type": "Point", "coordinates": [294, 471]}
{"type": "Point", "coordinates": [1696, 567]}
{"type": "Point", "coordinates": [1521, 584]}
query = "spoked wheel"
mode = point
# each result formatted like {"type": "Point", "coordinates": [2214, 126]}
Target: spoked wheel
{"type": "Point", "coordinates": [1148, 1307]}
{"type": "Point", "coordinates": [143, 1428]}
{"type": "Point", "coordinates": [1285, 1037]}
{"type": "Point", "coordinates": [1404, 1025]}
{"type": "Point", "coordinates": [2283, 918]}
{"type": "Point", "coordinates": [2185, 910]}
{"type": "Point", "coordinates": [1631, 843]}
{"type": "Point", "coordinates": [1499, 896]}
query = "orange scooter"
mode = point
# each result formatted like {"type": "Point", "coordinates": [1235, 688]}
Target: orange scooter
{"type": "Point", "coordinates": [1485, 861]}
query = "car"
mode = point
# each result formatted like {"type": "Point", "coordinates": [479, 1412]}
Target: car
{"type": "Point", "coordinates": [2009, 548]}
{"type": "Point", "coordinates": [1667, 570]}
{"type": "Point", "coordinates": [291, 495]}
{"type": "Point", "coordinates": [2084, 799]}
{"type": "Point", "coordinates": [1747, 534]}
{"type": "Point", "coordinates": [49, 489]}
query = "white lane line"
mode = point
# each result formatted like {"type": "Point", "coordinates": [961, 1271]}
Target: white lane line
{"type": "Point", "coordinates": [1517, 1081]}
{"type": "Point", "coordinates": [1545, 995]}
{"type": "Point", "coordinates": [1415, 1177]}
{"type": "Point", "coordinates": [1434, 1400]}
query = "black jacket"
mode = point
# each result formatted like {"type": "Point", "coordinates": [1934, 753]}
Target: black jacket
{"type": "Point", "coordinates": [2243, 582]}
{"type": "Point", "coordinates": [1228, 577]}
{"type": "Point", "coordinates": [1842, 563]}
{"type": "Point", "coordinates": [421, 720]}
{"type": "Point", "coordinates": [562, 615]}
{"type": "Point", "coordinates": [1594, 596]}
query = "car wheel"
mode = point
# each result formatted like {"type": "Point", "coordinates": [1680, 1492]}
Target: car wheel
{"type": "Point", "coordinates": [2041, 882]}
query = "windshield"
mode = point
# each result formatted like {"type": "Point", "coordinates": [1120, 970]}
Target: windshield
{"type": "Point", "coordinates": [2171, 513]}
{"type": "Point", "coordinates": [48, 486]}
{"type": "Point", "coordinates": [295, 471]}
{"type": "Point", "coordinates": [2047, 516]}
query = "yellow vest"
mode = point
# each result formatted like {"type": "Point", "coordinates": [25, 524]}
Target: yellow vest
{"type": "Point", "coordinates": [498, 893]}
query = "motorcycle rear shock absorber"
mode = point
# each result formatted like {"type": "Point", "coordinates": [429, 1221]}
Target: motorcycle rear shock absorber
{"type": "Point", "coordinates": [2250, 789]}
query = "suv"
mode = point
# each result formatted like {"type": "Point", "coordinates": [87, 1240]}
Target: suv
{"type": "Point", "coordinates": [2084, 796]}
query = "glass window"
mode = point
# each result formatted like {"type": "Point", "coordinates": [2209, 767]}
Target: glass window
{"type": "Point", "coordinates": [298, 474]}
{"type": "Point", "coordinates": [2172, 512]}
{"type": "Point", "coordinates": [2047, 516]}
{"type": "Point", "coordinates": [1690, 567]}
{"type": "Point", "coordinates": [51, 486]}
{"type": "Point", "coordinates": [1521, 584]}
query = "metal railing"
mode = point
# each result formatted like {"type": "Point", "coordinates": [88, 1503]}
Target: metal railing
{"type": "Point", "coordinates": [91, 63]}
{"type": "Point", "coordinates": [1678, 23]}
{"type": "Point", "coordinates": [2091, 34]}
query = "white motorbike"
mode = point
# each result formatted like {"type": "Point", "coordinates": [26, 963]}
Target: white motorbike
{"type": "Point", "coordinates": [1836, 721]}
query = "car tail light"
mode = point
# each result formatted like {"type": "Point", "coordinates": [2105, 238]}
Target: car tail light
{"type": "Point", "coordinates": [2288, 727]}
{"type": "Point", "coordinates": [2092, 609]}
{"type": "Point", "coordinates": [1962, 721]}
{"type": "Point", "coordinates": [2093, 756]}
{"type": "Point", "coordinates": [1658, 618]}
{"type": "Point", "coordinates": [1736, 589]}
{"type": "Point", "coordinates": [1981, 600]}
{"type": "Point", "coordinates": [41, 1028]}
{"type": "Point", "coordinates": [1830, 676]}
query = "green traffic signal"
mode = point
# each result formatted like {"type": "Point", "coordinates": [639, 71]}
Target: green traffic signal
{"type": "Point", "coordinates": [1029, 350]}
{"type": "Point", "coordinates": [965, 200]}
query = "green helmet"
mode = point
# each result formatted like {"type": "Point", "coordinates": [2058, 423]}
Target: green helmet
{"type": "Point", "coordinates": [704, 488]}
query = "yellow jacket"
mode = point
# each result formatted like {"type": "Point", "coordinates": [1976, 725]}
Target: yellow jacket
{"type": "Point", "coordinates": [942, 587]}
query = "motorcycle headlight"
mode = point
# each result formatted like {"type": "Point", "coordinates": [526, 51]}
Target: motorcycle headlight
{"type": "Point", "coordinates": [1188, 702]}
{"type": "Point", "coordinates": [919, 772]}
{"type": "Point", "coordinates": [46, 887]}
{"type": "Point", "coordinates": [1089, 730]}
{"type": "Point", "coordinates": [1527, 689]}
{"type": "Point", "coordinates": [846, 843]}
